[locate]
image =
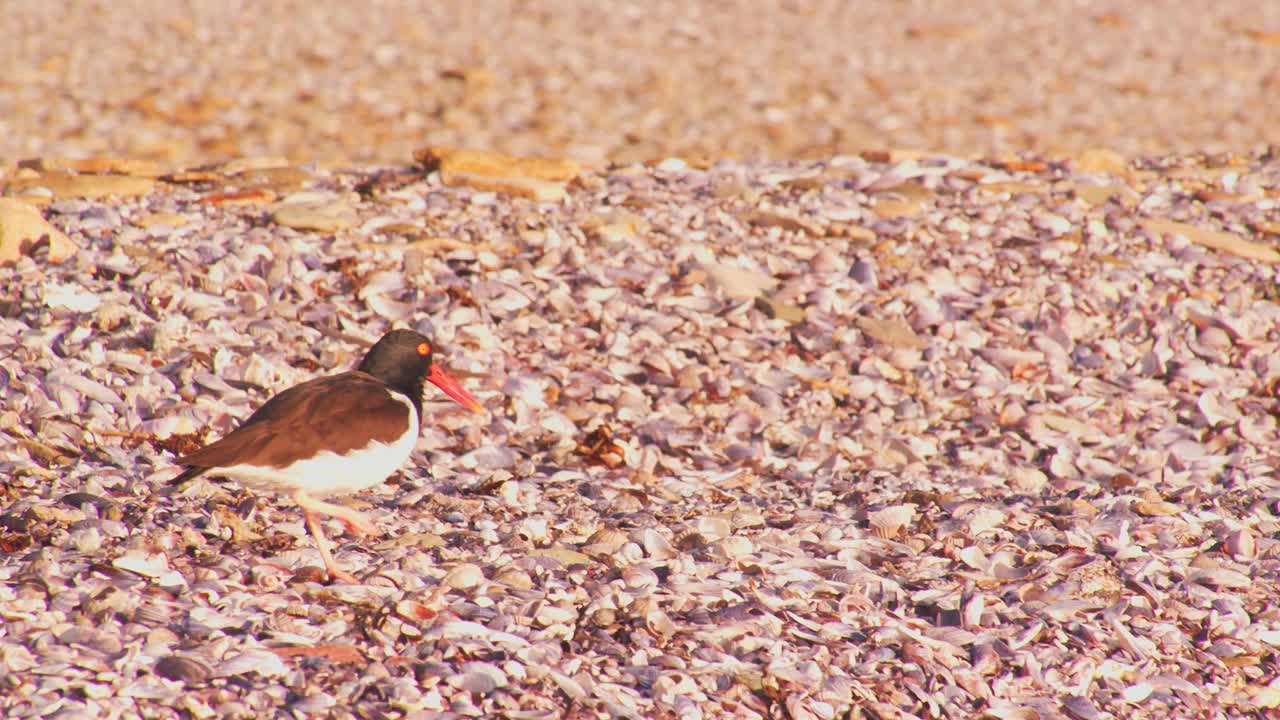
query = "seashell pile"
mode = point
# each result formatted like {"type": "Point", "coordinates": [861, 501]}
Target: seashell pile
{"type": "Point", "coordinates": [865, 437]}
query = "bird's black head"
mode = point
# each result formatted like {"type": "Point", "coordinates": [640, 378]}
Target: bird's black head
{"type": "Point", "coordinates": [404, 359]}
{"type": "Point", "coordinates": [401, 359]}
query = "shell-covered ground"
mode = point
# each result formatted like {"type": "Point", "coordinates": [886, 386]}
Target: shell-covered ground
{"type": "Point", "coordinates": [784, 420]}
{"type": "Point", "coordinates": [876, 436]}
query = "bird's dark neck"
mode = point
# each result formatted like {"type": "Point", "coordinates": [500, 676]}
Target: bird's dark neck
{"type": "Point", "coordinates": [411, 384]}
{"type": "Point", "coordinates": [415, 389]}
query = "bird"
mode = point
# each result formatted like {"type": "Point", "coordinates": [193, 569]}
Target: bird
{"type": "Point", "coordinates": [334, 435]}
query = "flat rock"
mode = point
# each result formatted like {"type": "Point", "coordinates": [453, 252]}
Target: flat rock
{"type": "Point", "coordinates": [491, 164]}
{"type": "Point", "coordinates": [1013, 187]}
{"type": "Point", "coordinates": [773, 217]}
{"type": "Point", "coordinates": [890, 208]}
{"type": "Point", "coordinates": [1101, 161]}
{"type": "Point", "coordinates": [183, 177]}
{"type": "Point", "coordinates": [66, 185]}
{"type": "Point", "coordinates": [23, 229]}
{"type": "Point", "coordinates": [278, 179]}
{"type": "Point", "coordinates": [892, 332]}
{"type": "Point", "coordinates": [240, 165]}
{"type": "Point", "coordinates": [738, 282]}
{"type": "Point", "coordinates": [565, 556]}
{"type": "Point", "coordinates": [539, 179]}
{"type": "Point", "coordinates": [338, 653]}
{"type": "Point", "coordinates": [255, 196]}
{"type": "Point", "coordinates": [320, 217]}
{"type": "Point", "coordinates": [160, 218]}
{"type": "Point", "coordinates": [1096, 195]}
{"type": "Point", "coordinates": [894, 155]}
{"type": "Point", "coordinates": [1214, 239]}
{"type": "Point", "coordinates": [614, 233]}
{"type": "Point", "coordinates": [779, 310]}
{"type": "Point", "coordinates": [852, 231]}
{"type": "Point", "coordinates": [94, 165]}
{"type": "Point", "coordinates": [532, 188]}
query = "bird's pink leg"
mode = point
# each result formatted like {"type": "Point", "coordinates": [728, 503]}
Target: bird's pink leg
{"type": "Point", "coordinates": [312, 514]}
{"type": "Point", "coordinates": [355, 522]}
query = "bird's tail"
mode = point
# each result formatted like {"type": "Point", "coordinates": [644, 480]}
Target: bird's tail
{"type": "Point", "coordinates": [191, 473]}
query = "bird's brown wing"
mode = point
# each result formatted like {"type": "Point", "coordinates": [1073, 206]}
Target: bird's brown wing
{"type": "Point", "coordinates": [339, 413]}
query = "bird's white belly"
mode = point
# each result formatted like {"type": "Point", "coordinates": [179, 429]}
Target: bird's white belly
{"type": "Point", "coordinates": [328, 473]}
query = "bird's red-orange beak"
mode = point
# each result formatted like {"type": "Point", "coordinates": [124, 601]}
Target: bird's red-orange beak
{"type": "Point", "coordinates": [443, 380]}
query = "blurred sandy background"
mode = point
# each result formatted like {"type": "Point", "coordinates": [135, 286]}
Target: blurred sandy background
{"type": "Point", "coordinates": [330, 80]}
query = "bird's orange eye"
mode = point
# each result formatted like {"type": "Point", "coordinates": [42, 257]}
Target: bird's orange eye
{"type": "Point", "coordinates": [424, 349]}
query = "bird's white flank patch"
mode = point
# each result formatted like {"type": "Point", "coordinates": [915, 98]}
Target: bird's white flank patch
{"type": "Point", "coordinates": [328, 473]}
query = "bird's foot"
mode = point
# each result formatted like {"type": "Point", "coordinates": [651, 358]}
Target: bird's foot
{"type": "Point", "coordinates": [358, 526]}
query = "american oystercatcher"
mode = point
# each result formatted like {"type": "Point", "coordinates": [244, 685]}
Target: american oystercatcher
{"type": "Point", "coordinates": [334, 435]}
